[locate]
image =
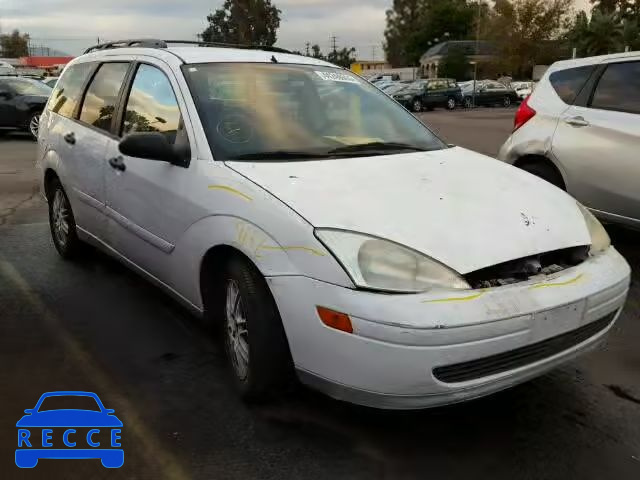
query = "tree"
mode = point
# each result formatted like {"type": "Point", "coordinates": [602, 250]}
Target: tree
{"type": "Point", "coordinates": [14, 45]}
{"type": "Point", "coordinates": [455, 64]}
{"type": "Point", "coordinates": [605, 6]}
{"type": "Point", "coordinates": [414, 25]}
{"type": "Point", "coordinates": [604, 35]}
{"type": "Point", "coordinates": [243, 22]}
{"type": "Point", "coordinates": [529, 31]}
{"type": "Point", "coordinates": [631, 34]}
{"type": "Point", "coordinates": [316, 53]}
{"type": "Point", "coordinates": [343, 57]}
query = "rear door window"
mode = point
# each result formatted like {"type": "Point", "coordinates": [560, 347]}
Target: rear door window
{"type": "Point", "coordinates": [619, 88]}
{"type": "Point", "coordinates": [99, 105]}
{"type": "Point", "coordinates": [67, 92]}
{"type": "Point", "coordinates": [568, 83]}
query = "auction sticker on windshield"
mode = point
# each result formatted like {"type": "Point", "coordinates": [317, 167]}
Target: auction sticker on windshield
{"type": "Point", "coordinates": [337, 77]}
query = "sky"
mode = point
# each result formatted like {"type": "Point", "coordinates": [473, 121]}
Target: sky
{"type": "Point", "coordinates": [72, 25]}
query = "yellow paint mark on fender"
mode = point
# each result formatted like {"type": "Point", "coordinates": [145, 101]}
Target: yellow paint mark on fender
{"type": "Point", "coordinates": [558, 284]}
{"type": "Point", "coordinates": [232, 190]}
{"type": "Point", "coordinates": [456, 299]}
{"type": "Point", "coordinates": [302, 249]}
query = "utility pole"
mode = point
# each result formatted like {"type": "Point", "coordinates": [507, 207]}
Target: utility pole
{"type": "Point", "coordinates": [333, 43]}
{"type": "Point", "coordinates": [373, 53]}
{"type": "Point", "coordinates": [307, 45]}
{"type": "Point", "coordinates": [475, 64]}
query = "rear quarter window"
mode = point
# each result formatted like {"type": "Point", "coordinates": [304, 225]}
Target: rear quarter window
{"type": "Point", "coordinates": [568, 83]}
{"type": "Point", "coordinates": [67, 92]}
{"type": "Point", "coordinates": [619, 88]}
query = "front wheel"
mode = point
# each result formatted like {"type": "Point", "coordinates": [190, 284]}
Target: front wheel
{"type": "Point", "coordinates": [254, 337]}
{"type": "Point", "coordinates": [451, 103]}
{"type": "Point", "coordinates": [506, 102]}
{"type": "Point", "coordinates": [416, 106]}
{"type": "Point", "coordinates": [468, 102]}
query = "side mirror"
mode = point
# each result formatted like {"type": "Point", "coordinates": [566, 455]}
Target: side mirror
{"type": "Point", "coordinates": [29, 411]}
{"type": "Point", "coordinates": [153, 146]}
{"type": "Point", "coordinates": [109, 411]}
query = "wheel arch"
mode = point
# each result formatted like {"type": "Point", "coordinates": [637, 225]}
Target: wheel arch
{"type": "Point", "coordinates": [531, 159]}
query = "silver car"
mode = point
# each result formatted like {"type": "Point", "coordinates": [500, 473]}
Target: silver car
{"type": "Point", "coordinates": [580, 130]}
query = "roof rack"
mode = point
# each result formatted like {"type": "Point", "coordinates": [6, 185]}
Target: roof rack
{"type": "Point", "coordinates": [154, 43]}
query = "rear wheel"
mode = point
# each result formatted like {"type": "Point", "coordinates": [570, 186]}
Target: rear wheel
{"type": "Point", "coordinates": [416, 106]}
{"type": "Point", "coordinates": [254, 338]}
{"type": "Point", "coordinates": [506, 102]}
{"type": "Point", "coordinates": [451, 103]}
{"type": "Point", "coordinates": [546, 172]}
{"type": "Point", "coordinates": [34, 125]}
{"type": "Point", "coordinates": [62, 222]}
{"type": "Point", "coordinates": [468, 102]}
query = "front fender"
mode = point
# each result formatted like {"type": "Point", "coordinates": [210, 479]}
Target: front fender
{"type": "Point", "coordinates": [294, 252]}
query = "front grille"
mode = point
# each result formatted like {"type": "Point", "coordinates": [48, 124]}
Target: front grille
{"type": "Point", "coordinates": [502, 362]}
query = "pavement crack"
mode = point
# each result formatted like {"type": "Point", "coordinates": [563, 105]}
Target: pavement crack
{"type": "Point", "coordinates": [620, 392]}
{"type": "Point", "coordinates": [12, 210]}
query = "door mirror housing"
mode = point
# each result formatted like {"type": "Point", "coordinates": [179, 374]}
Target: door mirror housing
{"type": "Point", "coordinates": [29, 411]}
{"type": "Point", "coordinates": [154, 146]}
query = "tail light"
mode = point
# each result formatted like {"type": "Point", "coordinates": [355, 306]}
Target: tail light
{"type": "Point", "coordinates": [524, 114]}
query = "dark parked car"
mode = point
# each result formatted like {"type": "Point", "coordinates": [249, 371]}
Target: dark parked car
{"type": "Point", "coordinates": [431, 93]}
{"type": "Point", "coordinates": [490, 93]}
{"type": "Point", "coordinates": [21, 103]}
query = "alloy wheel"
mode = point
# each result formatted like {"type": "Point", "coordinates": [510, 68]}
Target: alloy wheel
{"type": "Point", "coordinates": [34, 125]}
{"type": "Point", "coordinates": [60, 214]}
{"type": "Point", "coordinates": [237, 335]}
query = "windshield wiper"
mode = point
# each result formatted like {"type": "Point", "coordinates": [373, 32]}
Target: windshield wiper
{"type": "Point", "coordinates": [374, 147]}
{"type": "Point", "coordinates": [278, 155]}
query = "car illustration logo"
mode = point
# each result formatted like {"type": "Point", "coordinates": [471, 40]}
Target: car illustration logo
{"type": "Point", "coordinates": [90, 432]}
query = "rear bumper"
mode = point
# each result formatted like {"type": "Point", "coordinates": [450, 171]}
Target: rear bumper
{"type": "Point", "coordinates": [400, 340]}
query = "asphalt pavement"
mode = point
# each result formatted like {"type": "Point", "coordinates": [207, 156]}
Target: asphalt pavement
{"type": "Point", "coordinates": [95, 326]}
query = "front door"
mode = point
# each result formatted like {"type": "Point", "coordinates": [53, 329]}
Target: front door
{"type": "Point", "coordinates": [597, 144]}
{"type": "Point", "coordinates": [7, 105]}
{"type": "Point", "coordinates": [148, 205]}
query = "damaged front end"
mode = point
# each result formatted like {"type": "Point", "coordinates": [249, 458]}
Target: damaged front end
{"type": "Point", "coordinates": [523, 269]}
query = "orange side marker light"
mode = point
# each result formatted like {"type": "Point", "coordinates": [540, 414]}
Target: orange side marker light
{"type": "Point", "coordinates": [337, 320]}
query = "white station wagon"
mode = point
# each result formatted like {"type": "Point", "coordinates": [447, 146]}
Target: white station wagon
{"type": "Point", "coordinates": [333, 236]}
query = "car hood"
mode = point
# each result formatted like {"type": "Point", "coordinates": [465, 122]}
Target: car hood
{"type": "Point", "coordinates": [461, 208]}
{"type": "Point", "coordinates": [69, 418]}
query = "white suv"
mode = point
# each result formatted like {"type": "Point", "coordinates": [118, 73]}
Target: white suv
{"type": "Point", "coordinates": [329, 231]}
{"type": "Point", "coordinates": [580, 130]}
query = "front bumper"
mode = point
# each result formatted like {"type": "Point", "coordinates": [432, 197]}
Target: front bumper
{"type": "Point", "coordinates": [398, 340]}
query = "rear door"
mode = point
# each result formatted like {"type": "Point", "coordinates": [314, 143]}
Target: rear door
{"type": "Point", "coordinates": [597, 142]}
{"type": "Point", "coordinates": [7, 106]}
{"type": "Point", "coordinates": [83, 132]}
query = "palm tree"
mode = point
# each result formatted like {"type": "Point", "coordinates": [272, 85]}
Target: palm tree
{"type": "Point", "coordinates": [631, 35]}
{"type": "Point", "coordinates": [605, 34]}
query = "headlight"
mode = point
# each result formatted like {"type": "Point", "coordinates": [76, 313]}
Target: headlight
{"type": "Point", "coordinates": [600, 240]}
{"type": "Point", "coordinates": [383, 265]}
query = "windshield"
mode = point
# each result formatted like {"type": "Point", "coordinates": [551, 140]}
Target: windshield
{"type": "Point", "coordinates": [26, 86]}
{"type": "Point", "coordinates": [290, 112]}
{"type": "Point", "coordinates": [69, 402]}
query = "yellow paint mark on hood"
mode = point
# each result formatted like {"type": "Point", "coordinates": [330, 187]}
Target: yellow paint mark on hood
{"type": "Point", "coordinates": [303, 249]}
{"type": "Point", "coordinates": [456, 299]}
{"type": "Point", "coordinates": [231, 190]}
{"type": "Point", "coordinates": [354, 140]}
{"type": "Point", "coordinates": [558, 284]}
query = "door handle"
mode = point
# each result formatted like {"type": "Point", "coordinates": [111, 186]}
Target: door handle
{"type": "Point", "coordinates": [576, 122]}
{"type": "Point", "coordinates": [118, 163]}
{"type": "Point", "coordinates": [70, 138]}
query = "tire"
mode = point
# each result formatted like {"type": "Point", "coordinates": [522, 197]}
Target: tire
{"type": "Point", "coordinates": [506, 102]}
{"type": "Point", "coordinates": [254, 339]}
{"type": "Point", "coordinates": [34, 125]}
{"type": "Point", "coordinates": [416, 106]}
{"type": "Point", "coordinates": [545, 172]}
{"type": "Point", "coordinates": [62, 223]}
{"type": "Point", "coordinates": [467, 102]}
{"type": "Point", "coordinates": [451, 103]}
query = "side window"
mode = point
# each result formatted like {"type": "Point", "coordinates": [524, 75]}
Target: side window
{"type": "Point", "coordinates": [100, 101]}
{"type": "Point", "coordinates": [66, 94]}
{"type": "Point", "coordinates": [152, 105]}
{"type": "Point", "coordinates": [568, 83]}
{"type": "Point", "coordinates": [619, 88]}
